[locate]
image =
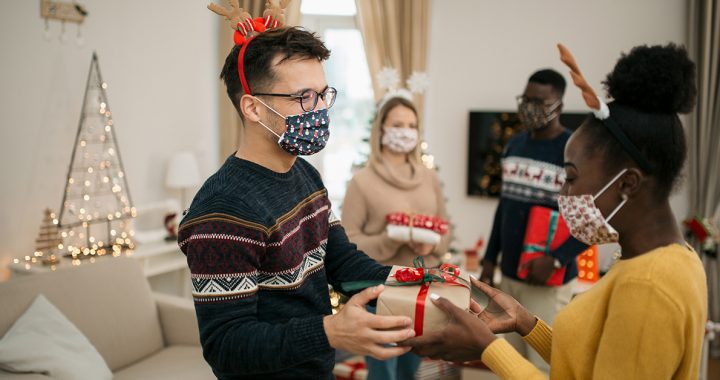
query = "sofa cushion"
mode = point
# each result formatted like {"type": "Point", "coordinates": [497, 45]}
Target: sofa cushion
{"type": "Point", "coordinates": [25, 376]}
{"type": "Point", "coordinates": [172, 363]}
{"type": "Point", "coordinates": [109, 301]}
{"type": "Point", "coordinates": [43, 341]}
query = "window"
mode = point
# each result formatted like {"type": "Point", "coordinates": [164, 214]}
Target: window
{"type": "Point", "coordinates": [346, 70]}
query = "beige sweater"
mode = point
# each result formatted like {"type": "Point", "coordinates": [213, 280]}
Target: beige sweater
{"type": "Point", "coordinates": [378, 190]}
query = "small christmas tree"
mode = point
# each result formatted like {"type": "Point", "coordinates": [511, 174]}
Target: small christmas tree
{"type": "Point", "coordinates": [96, 207]}
{"type": "Point", "coordinates": [49, 241]}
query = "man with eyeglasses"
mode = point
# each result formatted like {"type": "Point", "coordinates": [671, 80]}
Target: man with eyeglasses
{"type": "Point", "coordinates": [260, 238]}
{"type": "Point", "coordinates": [532, 176]}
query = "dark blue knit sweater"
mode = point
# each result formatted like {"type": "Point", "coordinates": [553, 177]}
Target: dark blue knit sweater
{"type": "Point", "coordinates": [533, 171]}
{"type": "Point", "coordinates": [262, 247]}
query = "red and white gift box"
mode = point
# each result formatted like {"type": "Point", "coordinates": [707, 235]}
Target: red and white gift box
{"type": "Point", "coordinates": [417, 228]}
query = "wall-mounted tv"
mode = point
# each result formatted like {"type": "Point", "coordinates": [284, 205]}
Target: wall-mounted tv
{"type": "Point", "coordinates": [489, 132]}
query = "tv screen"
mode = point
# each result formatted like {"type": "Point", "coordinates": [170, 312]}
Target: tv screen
{"type": "Point", "coordinates": [489, 132]}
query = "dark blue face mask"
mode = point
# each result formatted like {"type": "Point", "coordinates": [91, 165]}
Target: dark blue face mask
{"type": "Point", "coordinates": [305, 134]}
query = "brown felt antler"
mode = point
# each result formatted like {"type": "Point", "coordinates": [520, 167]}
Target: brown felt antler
{"type": "Point", "coordinates": [235, 14]}
{"type": "Point", "coordinates": [591, 99]}
{"type": "Point", "coordinates": [276, 11]}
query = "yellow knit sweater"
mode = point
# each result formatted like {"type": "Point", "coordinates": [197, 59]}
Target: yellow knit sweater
{"type": "Point", "coordinates": [643, 320]}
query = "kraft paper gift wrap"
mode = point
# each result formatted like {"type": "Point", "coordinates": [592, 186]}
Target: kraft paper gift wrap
{"type": "Point", "coordinates": [414, 300]}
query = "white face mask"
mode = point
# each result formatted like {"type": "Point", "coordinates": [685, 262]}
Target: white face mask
{"type": "Point", "coordinates": [400, 140]}
{"type": "Point", "coordinates": [584, 218]}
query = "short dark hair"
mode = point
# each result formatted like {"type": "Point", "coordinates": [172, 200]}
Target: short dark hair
{"type": "Point", "coordinates": [290, 43]}
{"type": "Point", "coordinates": [551, 77]}
{"type": "Point", "coordinates": [650, 86]}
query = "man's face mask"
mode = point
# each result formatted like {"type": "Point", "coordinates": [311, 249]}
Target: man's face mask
{"type": "Point", "coordinates": [584, 219]}
{"type": "Point", "coordinates": [536, 115]}
{"type": "Point", "coordinates": [305, 134]}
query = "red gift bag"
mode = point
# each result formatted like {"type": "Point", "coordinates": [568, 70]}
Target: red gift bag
{"type": "Point", "coordinates": [546, 231]}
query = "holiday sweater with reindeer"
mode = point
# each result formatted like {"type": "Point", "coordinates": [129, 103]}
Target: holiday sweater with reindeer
{"type": "Point", "coordinates": [262, 248]}
{"type": "Point", "coordinates": [532, 175]}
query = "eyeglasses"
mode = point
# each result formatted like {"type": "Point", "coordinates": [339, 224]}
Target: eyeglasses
{"type": "Point", "coordinates": [309, 98]}
{"type": "Point", "coordinates": [522, 99]}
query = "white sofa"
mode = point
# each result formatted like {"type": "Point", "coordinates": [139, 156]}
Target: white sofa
{"type": "Point", "coordinates": [139, 334]}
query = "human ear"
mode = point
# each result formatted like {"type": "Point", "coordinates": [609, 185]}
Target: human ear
{"type": "Point", "coordinates": [249, 108]}
{"type": "Point", "coordinates": [631, 182]}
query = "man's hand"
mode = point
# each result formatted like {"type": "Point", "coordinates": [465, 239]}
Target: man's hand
{"type": "Point", "coordinates": [539, 270]}
{"type": "Point", "coordinates": [488, 273]}
{"type": "Point", "coordinates": [357, 331]}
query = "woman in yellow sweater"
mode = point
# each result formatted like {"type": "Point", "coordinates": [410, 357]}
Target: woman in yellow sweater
{"type": "Point", "coordinates": [394, 180]}
{"type": "Point", "coordinates": [645, 318]}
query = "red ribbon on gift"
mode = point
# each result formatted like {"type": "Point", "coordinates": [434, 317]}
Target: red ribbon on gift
{"type": "Point", "coordinates": [420, 275]}
{"type": "Point", "coordinates": [355, 366]}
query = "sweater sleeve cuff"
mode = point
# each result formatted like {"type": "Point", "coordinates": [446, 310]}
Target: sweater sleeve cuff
{"type": "Point", "coordinates": [311, 339]}
{"type": "Point", "coordinates": [540, 339]}
{"type": "Point", "coordinates": [507, 363]}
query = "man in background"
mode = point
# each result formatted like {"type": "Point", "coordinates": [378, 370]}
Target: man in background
{"type": "Point", "coordinates": [533, 174]}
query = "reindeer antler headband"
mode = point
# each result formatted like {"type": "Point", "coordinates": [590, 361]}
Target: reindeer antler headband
{"type": "Point", "coordinates": [601, 110]}
{"type": "Point", "coordinates": [243, 24]}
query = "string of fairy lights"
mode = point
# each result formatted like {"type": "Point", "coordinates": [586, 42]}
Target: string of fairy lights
{"type": "Point", "coordinates": [96, 208]}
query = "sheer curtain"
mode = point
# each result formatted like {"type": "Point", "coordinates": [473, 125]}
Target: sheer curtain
{"type": "Point", "coordinates": [395, 33]}
{"type": "Point", "coordinates": [704, 136]}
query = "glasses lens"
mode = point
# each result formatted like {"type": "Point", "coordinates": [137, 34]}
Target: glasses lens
{"type": "Point", "coordinates": [308, 100]}
{"type": "Point", "coordinates": [330, 96]}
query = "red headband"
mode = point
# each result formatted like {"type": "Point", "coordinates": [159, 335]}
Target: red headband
{"type": "Point", "coordinates": [243, 24]}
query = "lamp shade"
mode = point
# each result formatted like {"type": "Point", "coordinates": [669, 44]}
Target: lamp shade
{"type": "Point", "coordinates": [182, 171]}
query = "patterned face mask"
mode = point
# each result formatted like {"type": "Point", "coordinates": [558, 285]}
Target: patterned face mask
{"type": "Point", "coordinates": [585, 220]}
{"type": "Point", "coordinates": [305, 134]}
{"type": "Point", "coordinates": [537, 116]}
{"type": "Point", "coordinates": [400, 140]}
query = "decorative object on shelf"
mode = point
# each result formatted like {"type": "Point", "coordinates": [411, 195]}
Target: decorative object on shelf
{"type": "Point", "coordinates": [171, 226]}
{"type": "Point", "coordinates": [183, 174]}
{"type": "Point", "coordinates": [472, 256]}
{"type": "Point", "coordinates": [49, 241]}
{"type": "Point", "coordinates": [704, 232]}
{"type": "Point", "coordinates": [63, 12]}
{"type": "Point", "coordinates": [96, 209]}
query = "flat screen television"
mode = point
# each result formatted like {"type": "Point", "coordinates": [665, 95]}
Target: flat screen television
{"type": "Point", "coordinates": [489, 132]}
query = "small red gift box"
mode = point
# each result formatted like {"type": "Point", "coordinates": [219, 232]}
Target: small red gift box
{"type": "Point", "coordinates": [428, 222]}
{"type": "Point", "coordinates": [546, 231]}
{"type": "Point", "coordinates": [414, 227]}
{"type": "Point", "coordinates": [351, 369]}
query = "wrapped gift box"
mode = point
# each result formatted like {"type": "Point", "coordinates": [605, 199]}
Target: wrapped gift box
{"type": "Point", "coordinates": [351, 369]}
{"type": "Point", "coordinates": [419, 228]}
{"type": "Point", "coordinates": [546, 231]}
{"type": "Point", "coordinates": [407, 292]}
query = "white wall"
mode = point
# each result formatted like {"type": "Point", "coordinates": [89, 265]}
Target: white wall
{"type": "Point", "coordinates": [159, 59]}
{"type": "Point", "coordinates": [482, 52]}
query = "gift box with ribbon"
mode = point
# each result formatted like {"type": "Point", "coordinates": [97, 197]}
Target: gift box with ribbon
{"type": "Point", "coordinates": [546, 231]}
{"type": "Point", "coordinates": [418, 228]}
{"type": "Point", "coordinates": [407, 292]}
{"type": "Point", "coordinates": [351, 369]}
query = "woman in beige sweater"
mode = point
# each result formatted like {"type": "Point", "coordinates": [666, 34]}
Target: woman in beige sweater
{"type": "Point", "coordinates": [394, 180]}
